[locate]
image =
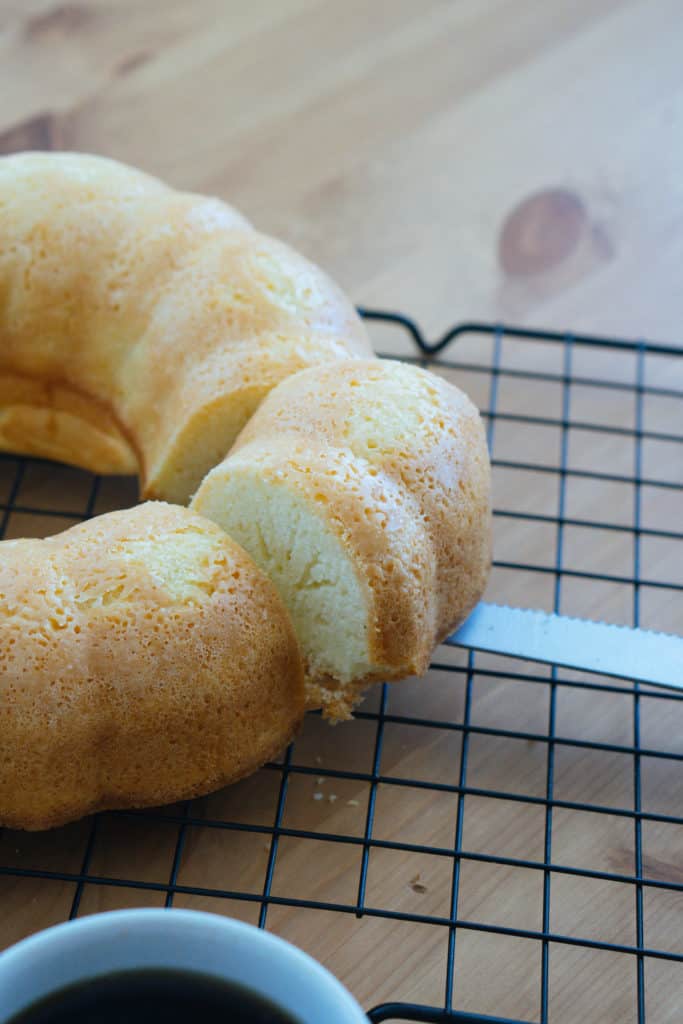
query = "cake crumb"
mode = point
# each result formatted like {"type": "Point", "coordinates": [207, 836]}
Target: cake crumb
{"type": "Point", "coordinates": [320, 781]}
{"type": "Point", "coordinates": [352, 803]}
{"type": "Point", "coordinates": [417, 886]}
{"type": "Point", "coordinates": [332, 797]}
{"type": "Point", "coordinates": [317, 796]}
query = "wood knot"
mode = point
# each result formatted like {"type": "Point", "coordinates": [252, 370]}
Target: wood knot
{"type": "Point", "coordinates": [132, 62]}
{"type": "Point", "coordinates": [62, 20]}
{"type": "Point", "coordinates": [541, 232]}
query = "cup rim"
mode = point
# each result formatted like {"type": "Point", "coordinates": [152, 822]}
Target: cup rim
{"type": "Point", "coordinates": [178, 921]}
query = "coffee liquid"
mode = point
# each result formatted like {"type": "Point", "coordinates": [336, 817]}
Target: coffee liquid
{"type": "Point", "coordinates": [146, 996]}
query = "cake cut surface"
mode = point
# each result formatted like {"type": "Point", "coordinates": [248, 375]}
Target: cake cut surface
{"type": "Point", "coordinates": [363, 491]}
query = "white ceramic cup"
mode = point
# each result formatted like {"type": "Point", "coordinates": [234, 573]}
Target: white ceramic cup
{"type": "Point", "coordinates": [183, 939]}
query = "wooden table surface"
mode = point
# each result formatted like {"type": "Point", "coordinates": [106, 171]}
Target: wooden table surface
{"type": "Point", "coordinates": [503, 160]}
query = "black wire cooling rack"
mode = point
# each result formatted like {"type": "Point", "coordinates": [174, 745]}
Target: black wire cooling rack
{"type": "Point", "coordinates": [525, 381]}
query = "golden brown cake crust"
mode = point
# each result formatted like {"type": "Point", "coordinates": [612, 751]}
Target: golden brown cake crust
{"type": "Point", "coordinates": [142, 326]}
{"type": "Point", "coordinates": [143, 659]}
{"type": "Point", "coordinates": [143, 656]}
{"type": "Point", "coordinates": [434, 451]}
{"type": "Point", "coordinates": [395, 460]}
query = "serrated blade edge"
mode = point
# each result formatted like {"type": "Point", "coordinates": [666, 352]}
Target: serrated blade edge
{"type": "Point", "coordinates": [632, 654]}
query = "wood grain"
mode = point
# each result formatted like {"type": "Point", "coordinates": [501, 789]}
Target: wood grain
{"type": "Point", "coordinates": [496, 159]}
{"type": "Point", "coordinates": [393, 144]}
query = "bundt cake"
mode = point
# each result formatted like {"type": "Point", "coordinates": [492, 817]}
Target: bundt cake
{"type": "Point", "coordinates": [143, 659]}
{"type": "Point", "coordinates": [362, 490]}
{"type": "Point", "coordinates": [141, 326]}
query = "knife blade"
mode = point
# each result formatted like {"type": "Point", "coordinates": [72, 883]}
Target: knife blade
{"type": "Point", "coordinates": [632, 654]}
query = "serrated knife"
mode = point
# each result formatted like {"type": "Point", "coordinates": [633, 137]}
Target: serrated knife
{"type": "Point", "coordinates": [632, 654]}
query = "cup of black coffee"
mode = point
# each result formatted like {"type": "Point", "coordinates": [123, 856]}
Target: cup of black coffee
{"type": "Point", "coordinates": [144, 966]}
